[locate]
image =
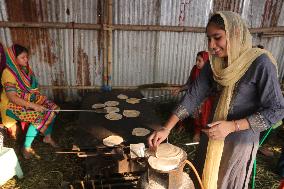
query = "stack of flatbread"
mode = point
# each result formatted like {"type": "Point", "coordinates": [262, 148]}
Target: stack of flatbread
{"type": "Point", "coordinates": [168, 151]}
{"type": "Point", "coordinates": [168, 157]}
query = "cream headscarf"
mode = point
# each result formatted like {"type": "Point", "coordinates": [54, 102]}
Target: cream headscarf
{"type": "Point", "coordinates": [240, 57]}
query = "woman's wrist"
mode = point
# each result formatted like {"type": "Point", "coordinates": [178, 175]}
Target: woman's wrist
{"type": "Point", "coordinates": [236, 126]}
{"type": "Point", "coordinates": [166, 129]}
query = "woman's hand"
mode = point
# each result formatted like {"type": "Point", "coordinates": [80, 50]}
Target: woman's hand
{"type": "Point", "coordinates": [157, 137]}
{"type": "Point", "coordinates": [220, 129]}
{"type": "Point", "coordinates": [37, 107]}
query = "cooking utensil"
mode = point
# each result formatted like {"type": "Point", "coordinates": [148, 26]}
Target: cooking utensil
{"type": "Point", "coordinates": [97, 110]}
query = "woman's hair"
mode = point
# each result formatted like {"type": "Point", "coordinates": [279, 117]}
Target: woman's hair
{"type": "Point", "coordinates": [204, 55]}
{"type": "Point", "coordinates": [217, 20]}
{"type": "Point", "coordinates": [18, 49]}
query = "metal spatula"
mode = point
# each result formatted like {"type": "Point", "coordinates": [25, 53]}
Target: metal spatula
{"type": "Point", "coordinates": [100, 110]}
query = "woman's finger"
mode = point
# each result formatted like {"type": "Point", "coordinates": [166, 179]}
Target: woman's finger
{"type": "Point", "coordinates": [214, 123]}
{"type": "Point", "coordinates": [212, 130]}
{"type": "Point", "coordinates": [150, 140]}
{"type": "Point", "coordinates": [158, 142]}
{"type": "Point", "coordinates": [155, 139]}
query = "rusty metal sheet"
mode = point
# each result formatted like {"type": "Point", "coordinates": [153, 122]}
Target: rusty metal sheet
{"type": "Point", "coordinates": [59, 57]}
{"type": "Point", "coordinates": [66, 57]}
{"type": "Point", "coordinates": [229, 5]}
{"type": "Point", "coordinates": [271, 13]}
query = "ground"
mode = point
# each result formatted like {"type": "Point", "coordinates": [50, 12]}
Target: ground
{"type": "Point", "coordinates": [52, 170]}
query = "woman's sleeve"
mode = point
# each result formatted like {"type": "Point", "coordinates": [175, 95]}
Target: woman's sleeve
{"type": "Point", "coordinates": [190, 78]}
{"type": "Point", "coordinates": [271, 98]}
{"type": "Point", "coordinates": [8, 81]}
{"type": "Point", "coordinates": [195, 94]}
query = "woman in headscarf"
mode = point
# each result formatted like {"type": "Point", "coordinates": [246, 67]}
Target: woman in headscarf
{"type": "Point", "coordinates": [201, 59]}
{"type": "Point", "coordinates": [11, 123]}
{"type": "Point", "coordinates": [22, 101]}
{"type": "Point", "coordinates": [202, 113]}
{"type": "Point", "coordinates": [248, 101]}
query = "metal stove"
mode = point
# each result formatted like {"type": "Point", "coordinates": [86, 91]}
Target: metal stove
{"type": "Point", "coordinates": [172, 179]}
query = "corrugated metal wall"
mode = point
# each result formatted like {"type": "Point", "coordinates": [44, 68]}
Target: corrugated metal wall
{"type": "Point", "coordinates": [73, 57]}
{"type": "Point", "coordinates": [59, 57]}
{"type": "Point", "coordinates": [269, 13]}
{"type": "Point", "coordinates": [157, 57]}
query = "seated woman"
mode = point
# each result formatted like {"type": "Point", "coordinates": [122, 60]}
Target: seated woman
{"type": "Point", "coordinates": [22, 101]}
{"type": "Point", "coordinates": [10, 123]}
{"type": "Point", "coordinates": [202, 113]}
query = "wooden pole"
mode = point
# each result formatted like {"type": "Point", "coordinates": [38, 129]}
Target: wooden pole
{"type": "Point", "coordinates": [48, 25]}
{"type": "Point", "coordinates": [279, 30]}
{"type": "Point", "coordinates": [168, 87]}
{"type": "Point", "coordinates": [105, 77]}
{"type": "Point", "coordinates": [109, 50]}
{"type": "Point", "coordinates": [85, 87]}
{"type": "Point", "coordinates": [158, 28]}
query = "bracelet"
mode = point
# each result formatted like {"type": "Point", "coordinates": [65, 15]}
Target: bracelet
{"type": "Point", "coordinates": [237, 126]}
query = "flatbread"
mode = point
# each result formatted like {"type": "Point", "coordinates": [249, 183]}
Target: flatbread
{"type": "Point", "coordinates": [122, 97]}
{"type": "Point", "coordinates": [95, 106]}
{"type": "Point", "coordinates": [133, 100]}
{"type": "Point", "coordinates": [167, 157]}
{"type": "Point", "coordinates": [112, 140]}
{"type": "Point", "coordinates": [131, 113]}
{"type": "Point", "coordinates": [163, 164]}
{"type": "Point", "coordinates": [111, 109]}
{"type": "Point", "coordinates": [113, 116]}
{"type": "Point", "coordinates": [166, 150]}
{"type": "Point", "coordinates": [111, 103]}
{"type": "Point", "coordinates": [140, 131]}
